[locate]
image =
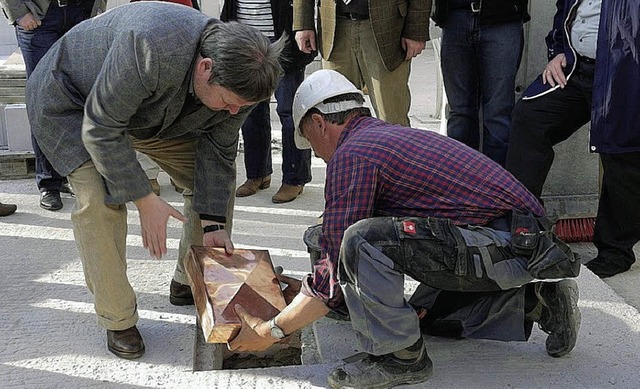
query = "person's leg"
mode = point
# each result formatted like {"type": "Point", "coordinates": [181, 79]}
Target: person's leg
{"type": "Point", "coordinates": [500, 51]}
{"type": "Point", "coordinates": [100, 233]}
{"type": "Point", "coordinates": [34, 45]}
{"type": "Point", "coordinates": [343, 56]}
{"type": "Point", "coordinates": [540, 123]}
{"type": "Point", "coordinates": [459, 62]}
{"type": "Point", "coordinates": [256, 133]}
{"type": "Point", "coordinates": [618, 220]}
{"type": "Point", "coordinates": [177, 159]}
{"type": "Point", "coordinates": [296, 163]}
{"type": "Point", "coordinates": [389, 90]}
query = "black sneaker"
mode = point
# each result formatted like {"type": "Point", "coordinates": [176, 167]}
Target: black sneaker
{"type": "Point", "coordinates": [558, 315]}
{"type": "Point", "coordinates": [50, 200]}
{"type": "Point", "coordinates": [385, 371]}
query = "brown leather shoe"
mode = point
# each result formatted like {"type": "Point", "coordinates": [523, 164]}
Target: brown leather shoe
{"type": "Point", "coordinates": [7, 209]}
{"type": "Point", "coordinates": [287, 193]}
{"type": "Point", "coordinates": [125, 344]}
{"type": "Point", "coordinates": [251, 186]}
{"type": "Point", "coordinates": [180, 294]}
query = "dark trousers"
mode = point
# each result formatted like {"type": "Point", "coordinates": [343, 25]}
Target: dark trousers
{"type": "Point", "coordinates": [34, 45]}
{"type": "Point", "coordinates": [256, 132]}
{"type": "Point", "coordinates": [618, 221]}
{"type": "Point", "coordinates": [479, 66]}
{"type": "Point", "coordinates": [541, 123]}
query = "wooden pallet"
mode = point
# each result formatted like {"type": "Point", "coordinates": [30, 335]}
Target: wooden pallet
{"type": "Point", "coordinates": [17, 165]}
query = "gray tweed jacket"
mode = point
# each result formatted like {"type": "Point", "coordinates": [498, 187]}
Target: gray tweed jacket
{"type": "Point", "coordinates": [127, 73]}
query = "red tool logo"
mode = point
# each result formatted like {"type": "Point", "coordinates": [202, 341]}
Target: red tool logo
{"type": "Point", "coordinates": [409, 227]}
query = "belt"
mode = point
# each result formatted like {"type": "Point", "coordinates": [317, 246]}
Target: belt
{"type": "Point", "coordinates": [352, 16]}
{"type": "Point", "coordinates": [474, 6]}
{"type": "Point", "coordinates": [586, 60]}
{"type": "Point", "coordinates": [64, 3]}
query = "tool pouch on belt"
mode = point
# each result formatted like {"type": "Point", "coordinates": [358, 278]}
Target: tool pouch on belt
{"type": "Point", "coordinates": [548, 257]}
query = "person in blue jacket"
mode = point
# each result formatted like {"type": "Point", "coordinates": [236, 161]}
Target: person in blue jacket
{"type": "Point", "coordinates": [593, 74]}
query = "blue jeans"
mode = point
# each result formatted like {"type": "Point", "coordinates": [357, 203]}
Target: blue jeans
{"type": "Point", "coordinates": [479, 66]}
{"type": "Point", "coordinates": [256, 132]}
{"type": "Point", "coordinates": [34, 45]}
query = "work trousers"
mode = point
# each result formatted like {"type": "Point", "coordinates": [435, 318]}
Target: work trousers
{"type": "Point", "coordinates": [100, 230]}
{"type": "Point", "coordinates": [355, 55]}
{"type": "Point", "coordinates": [376, 253]}
{"type": "Point", "coordinates": [34, 45]}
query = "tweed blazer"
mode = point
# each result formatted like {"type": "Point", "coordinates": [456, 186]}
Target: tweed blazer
{"type": "Point", "coordinates": [13, 9]}
{"type": "Point", "coordinates": [391, 20]}
{"type": "Point", "coordinates": [126, 73]}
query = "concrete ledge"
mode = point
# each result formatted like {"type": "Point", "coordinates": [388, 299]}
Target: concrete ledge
{"type": "Point", "coordinates": [18, 130]}
{"type": "Point", "coordinates": [17, 165]}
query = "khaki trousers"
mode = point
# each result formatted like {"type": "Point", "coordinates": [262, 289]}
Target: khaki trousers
{"type": "Point", "coordinates": [356, 56]}
{"type": "Point", "coordinates": [101, 230]}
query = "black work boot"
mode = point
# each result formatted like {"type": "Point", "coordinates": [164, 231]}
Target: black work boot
{"type": "Point", "coordinates": [409, 366]}
{"type": "Point", "coordinates": [557, 314]}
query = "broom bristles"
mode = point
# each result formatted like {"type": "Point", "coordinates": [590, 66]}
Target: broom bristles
{"type": "Point", "coordinates": [576, 230]}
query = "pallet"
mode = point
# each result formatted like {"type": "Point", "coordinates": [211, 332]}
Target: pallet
{"type": "Point", "coordinates": [17, 165]}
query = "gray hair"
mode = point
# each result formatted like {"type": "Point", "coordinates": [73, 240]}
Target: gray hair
{"type": "Point", "coordinates": [244, 60]}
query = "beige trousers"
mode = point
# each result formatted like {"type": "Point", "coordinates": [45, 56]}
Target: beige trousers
{"type": "Point", "coordinates": [356, 56]}
{"type": "Point", "coordinates": [101, 230]}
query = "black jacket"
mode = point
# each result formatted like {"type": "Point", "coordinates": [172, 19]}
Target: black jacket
{"type": "Point", "coordinates": [282, 13]}
{"type": "Point", "coordinates": [491, 12]}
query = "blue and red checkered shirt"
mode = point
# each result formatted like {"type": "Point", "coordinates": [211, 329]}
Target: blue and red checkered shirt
{"type": "Point", "coordinates": [380, 169]}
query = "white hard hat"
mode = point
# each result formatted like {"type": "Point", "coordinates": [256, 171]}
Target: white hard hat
{"type": "Point", "coordinates": [319, 86]}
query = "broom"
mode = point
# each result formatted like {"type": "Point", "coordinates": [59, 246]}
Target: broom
{"type": "Point", "coordinates": [578, 229]}
{"type": "Point", "coordinates": [571, 230]}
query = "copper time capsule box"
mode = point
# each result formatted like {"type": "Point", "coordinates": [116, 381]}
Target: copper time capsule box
{"type": "Point", "coordinates": [220, 281]}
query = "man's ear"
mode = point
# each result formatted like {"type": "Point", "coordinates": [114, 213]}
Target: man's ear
{"type": "Point", "coordinates": [318, 123]}
{"type": "Point", "coordinates": [204, 66]}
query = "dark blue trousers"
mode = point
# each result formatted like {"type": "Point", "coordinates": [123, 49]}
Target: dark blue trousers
{"type": "Point", "coordinates": [34, 45]}
{"type": "Point", "coordinates": [256, 132]}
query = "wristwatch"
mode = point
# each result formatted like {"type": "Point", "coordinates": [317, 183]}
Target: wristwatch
{"type": "Point", "coordinates": [276, 331]}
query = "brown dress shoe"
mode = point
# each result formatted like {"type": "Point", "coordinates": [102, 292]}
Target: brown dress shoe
{"type": "Point", "coordinates": [287, 193]}
{"type": "Point", "coordinates": [125, 344]}
{"type": "Point", "coordinates": [251, 186]}
{"type": "Point", "coordinates": [7, 209]}
{"type": "Point", "coordinates": [180, 294]}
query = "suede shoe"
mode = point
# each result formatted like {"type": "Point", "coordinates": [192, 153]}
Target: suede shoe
{"type": "Point", "coordinates": [558, 315]}
{"type": "Point", "coordinates": [180, 294]}
{"type": "Point", "coordinates": [7, 209]}
{"type": "Point", "coordinates": [409, 366]}
{"type": "Point", "coordinates": [50, 200]}
{"type": "Point", "coordinates": [125, 344]}
{"type": "Point", "coordinates": [287, 193]}
{"type": "Point", "coordinates": [251, 186]}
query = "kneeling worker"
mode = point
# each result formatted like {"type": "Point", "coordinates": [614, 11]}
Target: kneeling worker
{"type": "Point", "coordinates": [407, 201]}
